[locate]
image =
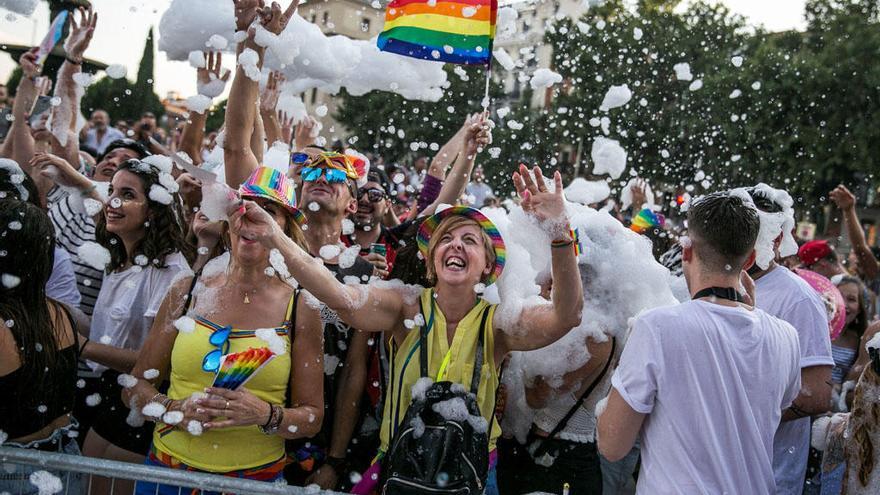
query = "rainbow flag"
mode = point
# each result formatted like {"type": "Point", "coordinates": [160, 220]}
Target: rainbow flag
{"type": "Point", "coordinates": [455, 31]}
{"type": "Point", "coordinates": [645, 220]}
{"type": "Point", "coordinates": [236, 369]}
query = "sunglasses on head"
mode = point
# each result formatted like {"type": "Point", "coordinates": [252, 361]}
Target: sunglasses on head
{"type": "Point", "coordinates": [332, 175]}
{"type": "Point", "coordinates": [299, 158]}
{"type": "Point", "coordinates": [220, 340]}
{"type": "Point", "coordinates": [374, 194]}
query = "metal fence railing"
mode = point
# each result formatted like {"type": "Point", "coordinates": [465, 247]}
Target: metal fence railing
{"type": "Point", "coordinates": [75, 475]}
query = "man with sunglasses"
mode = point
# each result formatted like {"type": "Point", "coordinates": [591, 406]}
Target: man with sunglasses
{"type": "Point", "coordinates": [329, 185]}
{"type": "Point", "coordinates": [374, 203]}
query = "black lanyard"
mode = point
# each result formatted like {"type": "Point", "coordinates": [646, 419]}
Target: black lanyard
{"type": "Point", "coordinates": [728, 293]}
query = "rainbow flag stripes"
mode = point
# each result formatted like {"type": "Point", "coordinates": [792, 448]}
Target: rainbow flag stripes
{"type": "Point", "coordinates": [237, 368]}
{"type": "Point", "coordinates": [455, 31]}
{"type": "Point", "coordinates": [646, 219]}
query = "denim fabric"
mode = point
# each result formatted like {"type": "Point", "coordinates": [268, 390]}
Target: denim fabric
{"type": "Point", "coordinates": [617, 475]}
{"type": "Point", "coordinates": [15, 478]}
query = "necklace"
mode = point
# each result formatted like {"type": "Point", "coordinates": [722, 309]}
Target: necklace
{"type": "Point", "coordinates": [247, 300]}
{"type": "Point", "coordinates": [728, 293]}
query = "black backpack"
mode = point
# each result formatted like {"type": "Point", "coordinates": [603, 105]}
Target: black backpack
{"type": "Point", "coordinates": [430, 453]}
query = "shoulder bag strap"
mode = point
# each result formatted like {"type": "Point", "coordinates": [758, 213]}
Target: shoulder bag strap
{"type": "Point", "coordinates": [478, 359]}
{"type": "Point", "coordinates": [189, 293]}
{"type": "Point", "coordinates": [423, 343]}
{"type": "Point", "coordinates": [564, 421]}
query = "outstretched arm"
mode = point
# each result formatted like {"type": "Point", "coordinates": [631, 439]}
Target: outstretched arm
{"type": "Point", "coordinates": [542, 325]}
{"type": "Point", "coordinates": [471, 138]}
{"type": "Point", "coordinates": [367, 308]}
{"type": "Point", "coordinates": [19, 143]}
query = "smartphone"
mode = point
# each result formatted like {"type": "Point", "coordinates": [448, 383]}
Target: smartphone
{"type": "Point", "coordinates": [5, 122]}
{"type": "Point", "coordinates": [56, 31]}
{"type": "Point", "coordinates": [42, 106]}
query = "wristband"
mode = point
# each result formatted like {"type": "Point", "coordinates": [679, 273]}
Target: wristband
{"type": "Point", "coordinates": [72, 61]}
{"type": "Point", "coordinates": [276, 417]}
{"type": "Point", "coordinates": [337, 463]}
{"type": "Point", "coordinates": [573, 240]}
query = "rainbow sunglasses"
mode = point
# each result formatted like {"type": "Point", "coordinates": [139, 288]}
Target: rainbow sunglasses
{"type": "Point", "coordinates": [338, 166]}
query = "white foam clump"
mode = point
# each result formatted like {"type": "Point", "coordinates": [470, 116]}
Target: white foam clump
{"type": "Point", "coordinates": [189, 25]}
{"type": "Point", "coordinates": [292, 105]}
{"type": "Point", "coordinates": [587, 192]}
{"type": "Point", "coordinates": [683, 71]}
{"type": "Point", "coordinates": [22, 7]}
{"type": "Point", "coordinates": [276, 344]}
{"type": "Point", "coordinates": [196, 59]}
{"type": "Point", "coordinates": [151, 373]}
{"type": "Point", "coordinates": [696, 85]}
{"type": "Point", "coordinates": [126, 381]}
{"type": "Point", "coordinates": [329, 251]}
{"type": "Point", "coordinates": [277, 157]}
{"type": "Point", "coordinates": [638, 34]}
{"type": "Point", "coordinates": [772, 224]}
{"type": "Point", "coordinates": [455, 409]}
{"type": "Point", "coordinates": [217, 42]}
{"type": "Point", "coordinates": [249, 61]}
{"type": "Point", "coordinates": [421, 386]}
{"type": "Point", "coordinates": [116, 71]}
{"type": "Point", "coordinates": [16, 176]}
{"type": "Point", "coordinates": [620, 276]}
{"type": "Point", "coordinates": [46, 482]}
{"type": "Point", "coordinates": [93, 399]}
{"type": "Point", "coordinates": [160, 195]}
{"type": "Point", "coordinates": [217, 201]}
{"type": "Point", "coordinates": [163, 163]}
{"type": "Point", "coordinates": [94, 255]}
{"type": "Point", "coordinates": [874, 343]}
{"type": "Point", "coordinates": [608, 157]}
{"type": "Point", "coordinates": [544, 78]}
{"type": "Point", "coordinates": [153, 410]}
{"type": "Point", "coordinates": [504, 58]}
{"type": "Point", "coordinates": [185, 324]}
{"type": "Point", "coordinates": [617, 96]}
{"type": "Point", "coordinates": [348, 256]}
{"type": "Point", "coordinates": [172, 417]}
{"type": "Point", "coordinates": [505, 23]}
{"type": "Point", "coordinates": [331, 362]}
{"type": "Point", "coordinates": [513, 124]}
{"type": "Point", "coordinates": [737, 61]}
{"type": "Point", "coordinates": [194, 428]}
{"type": "Point", "coordinates": [347, 227]}
{"type": "Point", "coordinates": [83, 79]}
{"type": "Point", "coordinates": [9, 281]}
{"type": "Point", "coordinates": [212, 88]}
{"type": "Point", "coordinates": [198, 103]}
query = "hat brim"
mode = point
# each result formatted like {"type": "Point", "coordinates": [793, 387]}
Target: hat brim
{"type": "Point", "coordinates": [430, 224]}
{"type": "Point", "coordinates": [297, 215]}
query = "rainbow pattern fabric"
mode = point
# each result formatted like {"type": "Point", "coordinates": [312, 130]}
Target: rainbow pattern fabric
{"type": "Point", "coordinates": [237, 368]}
{"type": "Point", "coordinates": [646, 219]}
{"type": "Point", "coordinates": [455, 31]}
{"type": "Point", "coordinates": [430, 224]}
{"type": "Point", "coordinates": [271, 184]}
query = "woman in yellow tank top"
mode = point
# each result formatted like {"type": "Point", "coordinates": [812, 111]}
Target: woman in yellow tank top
{"type": "Point", "coordinates": [462, 249]}
{"type": "Point", "coordinates": [234, 432]}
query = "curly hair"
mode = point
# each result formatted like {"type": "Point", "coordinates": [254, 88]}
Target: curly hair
{"type": "Point", "coordinates": [865, 416]}
{"type": "Point", "coordinates": [165, 233]}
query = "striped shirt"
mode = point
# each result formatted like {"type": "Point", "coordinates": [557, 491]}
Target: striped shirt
{"type": "Point", "coordinates": [844, 357]}
{"type": "Point", "coordinates": [73, 228]}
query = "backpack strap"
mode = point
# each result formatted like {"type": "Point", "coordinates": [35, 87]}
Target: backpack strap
{"type": "Point", "coordinates": [478, 359]}
{"type": "Point", "coordinates": [564, 421]}
{"type": "Point", "coordinates": [423, 343]}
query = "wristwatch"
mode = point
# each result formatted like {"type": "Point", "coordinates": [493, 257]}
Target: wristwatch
{"type": "Point", "coordinates": [337, 463]}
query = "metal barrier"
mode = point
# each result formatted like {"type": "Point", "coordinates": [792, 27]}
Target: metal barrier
{"type": "Point", "coordinates": [72, 465]}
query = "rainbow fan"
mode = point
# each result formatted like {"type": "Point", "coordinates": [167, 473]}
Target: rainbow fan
{"type": "Point", "coordinates": [237, 368]}
{"type": "Point", "coordinates": [645, 220]}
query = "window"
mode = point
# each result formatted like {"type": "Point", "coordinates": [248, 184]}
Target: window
{"type": "Point", "coordinates": [365, 25]}
{"type": "Point", "coordinates": [325, 17]}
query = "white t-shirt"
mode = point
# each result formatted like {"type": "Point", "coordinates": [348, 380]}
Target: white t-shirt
{"type": "Point", "coordinates": [785, 295]}
{"type": "Point", "coordinates": [129, 301]}
{"type": "Point", "coordinates": [112, 134]}
{"type": "Point", "coordinates": [713, 381]}
{"type": "Point", "coordinates": [61, 285]}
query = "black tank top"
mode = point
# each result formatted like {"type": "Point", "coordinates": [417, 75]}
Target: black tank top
{"type": "Point", "coordinates": [35, 408]}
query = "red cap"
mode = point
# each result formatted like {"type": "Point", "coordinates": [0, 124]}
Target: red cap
{"type": "Point", "coordinates": [813, 251]}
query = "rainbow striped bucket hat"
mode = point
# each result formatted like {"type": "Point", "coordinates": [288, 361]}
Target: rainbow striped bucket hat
{"type": "Point", "coordinates": [430, 224]}
{"type": "Point", "coordinates": [271, 184]}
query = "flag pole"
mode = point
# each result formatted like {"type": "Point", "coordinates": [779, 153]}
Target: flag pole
{"type": "Point", "coordinates": [485, 101]}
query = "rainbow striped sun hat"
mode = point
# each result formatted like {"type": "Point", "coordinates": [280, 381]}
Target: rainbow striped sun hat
{"type": "Point", "coordinates": [430, 224]}
{"type": "Point", "coordinates": [271, 184]}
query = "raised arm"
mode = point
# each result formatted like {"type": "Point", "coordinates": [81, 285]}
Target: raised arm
{"type": "Point", "coordinates": [19, 144]}
{"type": "Point", "coordinates": [367, 308]}
{"type": "Point", "coordinates": [241, 107]}
{"type": "Point", "coordinates": [210, 81]}
{"type": "Point", "coordinates": [544, 324]}
{"type": "Point", "coordinates": [474, 137]}
{"type": "Point", "coordinates": [846, 201]}
{"type": "Point", "coordinates": [268, 100]}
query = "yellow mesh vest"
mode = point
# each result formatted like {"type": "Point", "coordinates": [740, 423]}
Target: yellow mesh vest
{"type": "Point", "coordinates": [405, 365]}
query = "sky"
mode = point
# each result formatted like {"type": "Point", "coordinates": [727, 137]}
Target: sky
{"type": "Point", "coordinates": [123, 24]}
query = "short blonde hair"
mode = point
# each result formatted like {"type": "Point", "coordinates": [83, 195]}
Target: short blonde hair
{"type": "Point", "coordinates": [448, 225]}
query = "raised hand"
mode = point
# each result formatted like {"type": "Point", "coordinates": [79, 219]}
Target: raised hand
{"type": "Point", "coordinates": [269, 96]}
{"type": "Point", "coordinates": [245, 12]}
{"type": "Point", "coordinates": [58, 170]}
{"type": "Point", "coordinates": [546, 206]}
{"type": "Point", "coordinates": [209, 81]}
{"type": "Point", "coordinates": [273, 19]}
{"type": "Point", "coordinates": [81, 33]}
{"type": "Point", "coordinates": [477, 135]}
{"type": "Point", "coordinates": [842, 197]}
{"type": "Point", "coordinates": [253, 222]}
{"type": "Point", "coordinates": [305, 132]}
{"type": "Point", "coordinates": [286, 126]}
{"type": "Point", "coordinates": [28, 62]}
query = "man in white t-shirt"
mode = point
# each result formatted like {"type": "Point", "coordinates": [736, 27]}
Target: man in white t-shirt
{"type": "Point", "coordinates": [785, 295]}
{"type": "Point", "coordinates": [704, 383]}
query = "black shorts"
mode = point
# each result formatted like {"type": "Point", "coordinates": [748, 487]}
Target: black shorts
{"type": "Point", "coordinates": [111, 414]}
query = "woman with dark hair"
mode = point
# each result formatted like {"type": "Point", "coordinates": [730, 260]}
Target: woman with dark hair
{"type": "Point", "coordinates": [39, 347]}
{"type": "Point", "coordinates": [845, 348]}
{"type": "Point", "coordinates": [235, 304]}
{"type": "Point", "coordinates": [142, 235]}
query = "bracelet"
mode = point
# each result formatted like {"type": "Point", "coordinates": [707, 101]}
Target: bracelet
{"type": "Point", "coordinates": [574, 239]}
{"type": "Point", "coordinates": [276, 417]}
{"type": "Point", "coordinates": [337, 463]}
{"type": "Point", "coordinates": [72, 61]}
{"type": "Point", "coordinates": [165, 402]}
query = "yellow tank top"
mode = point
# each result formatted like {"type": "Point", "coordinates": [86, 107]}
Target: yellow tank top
{"type": "Point", "coordinates": [454, 363]}
{"type": "Point", "coordinates": [228, 449]}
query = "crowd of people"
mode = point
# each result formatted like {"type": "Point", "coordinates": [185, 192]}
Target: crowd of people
{"type": "Point", "coordinates": [141, 270]}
